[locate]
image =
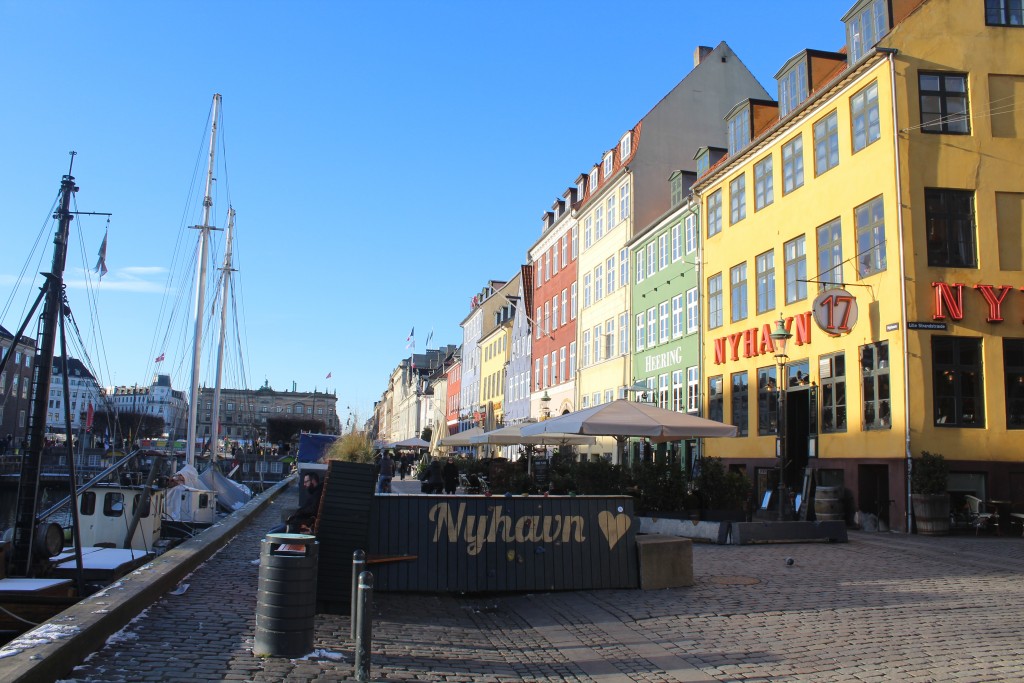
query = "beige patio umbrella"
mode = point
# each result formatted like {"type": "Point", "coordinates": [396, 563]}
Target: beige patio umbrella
{"type": "Point", "coordinates": [462, 438]}
{"type": "Point", "coordinates": [512, 435]}
{"type": "Point", "coordinates": [624, 418]}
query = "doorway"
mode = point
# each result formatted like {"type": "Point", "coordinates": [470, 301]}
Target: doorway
{"type": "Point", "coordinates": [873, 490]}
{"type": "Point", "coordinates": [797, 407]}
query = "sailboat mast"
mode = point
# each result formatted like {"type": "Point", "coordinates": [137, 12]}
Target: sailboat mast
{"type": "Point", "coordinates": [226, 271]}
{"type": "Point", "coordinates": [28, 482]}
{"type": "Point", "coordinates": [204, 247]}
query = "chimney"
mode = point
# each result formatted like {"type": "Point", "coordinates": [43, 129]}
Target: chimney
{"type": "Point", "coordinates": [700, 53]}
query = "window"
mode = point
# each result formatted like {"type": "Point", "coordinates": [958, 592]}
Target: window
{"type": "Point", "coordinates": [676, 190]}
{"type": "Point", "coordinates": [796, 270]}
{"type": "Point", "coordinates": [764, 191]}
{"type": "Point", "coordinates": [832, 374]}
{"type": "Point", "coordinates": [565, 305]}
{"type": "Point", "coordinates": [663, 396]}
{"type": "Point", "coordinates": [113, 504]}
{"type": "Point", "coordinates": [740, 403]}
{"type": "Point", "coordinates": [949, 221]}
{"type": "Point", "coordinates": [864, 117]}
{"type": "Point", "coordinates": [554, 259]}
{"type": "Point", "coordinates": [870, 223]}
{"type": "Point", "coordinates": [715, 318]}
{"type": "Point", "coordinates": [738, 199]}
{"type": "Point", "coordinates": [575, 241]}
{"type": "Point", "coordinates": [663, 321]}
{"type": "Point", "coordinates": [957, 382]}
{"type": "Point", "coordinates": [554, 312]}
{"type": "Point", "coordinates": [625, 146]}
{"type": "Point", "coordinates": [716, 404]}
{"type": "Point", "coordinates": [624, 202]}
{"type": "Point", "coordinates": [692, 389]}
{"type": "Point", "coordinates": [677, 242]}
{"type": "Point", "coordinates": [547, 317]}
{"type": "Point", "coordinates": [598, 342]}
{"type": "Point", "coordinates": [623, 267]}
{"type": "Point", "coordinates": [572, 359]}
{"type": "Point", "coordinates": [641, 272]}
{"type": "Point", "coordinates": [609, 338]}
{"type": "Point", "coordinates": [609, 164]}
{"type": "Point", "coordinates": [554, 367]}
{"type": "Point", "coordinates": [663, 254]}
{"type": "Point", "coordinates": [1004, 12]}
{"type": "Point", "coordinates": [767, 401]}
{"type": "Point", "coordinates": [598, 283]}
{"type": "Point", "coordinates": [874, 369]}
{"type": "Point", "coordinates": [765, 266]}
{"type": "Point", "coordinates": [547, 266]}
{"type": "Point", "coordinates": [561, 364]}
{"type": "Point", "coordinates": [592, 185]}
{"type": "Point", "coordinates": [88, 504]}
{"type": "Point", "coordinates": [826, 144]}
{"type": "Point", "coordinates": [691, 234]}
{"type": "Point", "coordinates": [678, 397]}
{"type": "Point", "coordinates": [572, 303]}
{"type": "Point", "coordinates": [830, 256]}
{"type": "Point", "coordinates": [866, 28]}
{"type": "Point", "coordinates": [641, 332]}
{"type": "Point", "coordinates": [677, 315]}
{"type": "Point", "coordinates": [738, 292]}
{"type": "Point", "coordinates": [692, 311]}
{"type": "Point", "coordinates": [714, 213]}
{"type": "Point", "coordinates": [588, 229]}
{"type": "Point", "coordinates": [624, 334]}
{"type": "Point", "coordinates": [792, 88]}
{"type": "Point", "coordinates": [586, 290]}
{"type": "Point", "coordinates": [1013, 380]}
{"type": "Point", "coordinates": [585, 402]}
{"type": "Point", "coordinates": [793, 164]}
{"type": "Point", "coordinates": [538, 320]}
{"type": "Point", "coordinates": [546, 372]}
{"type": "Point", "coordinates": [652, 326]}
{"type": "Point", "coordinates": [611, 212]}
{"type": "Point", "coordinates": [739, 131]}
{"type": "Point", "coordinates": [609, 274]}
{"type": "Point", "coordinates": [598, 223]}
{"type": "Point", "coordinates": [652, 263]}
{"type": "Point", "coordinates": [944, 103]}
{"type": "Point", "coordinates": [565, 250]}
{"type": "Point", "coordinates": [586, 348]}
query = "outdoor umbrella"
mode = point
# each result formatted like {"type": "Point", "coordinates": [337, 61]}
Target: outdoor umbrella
{"type": "Point", "coordinates": [624, 418]}
{"type": "Point", "coordinates": [512, 435]}
{"type": "Point", "coordinates": [410, 443]}
{"type": "Point", "coordinates": [462, 438]}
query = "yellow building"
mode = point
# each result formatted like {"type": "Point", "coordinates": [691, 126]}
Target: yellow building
{"type": "Point", "coordinates": [494, 353]}
{"type": "Point", "coordinates": [863, 207]}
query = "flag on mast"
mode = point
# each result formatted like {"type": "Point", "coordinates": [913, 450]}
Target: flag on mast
{"type": "Point", "coordinates": [159, 359]}
{"type": "Point", "coordinates": [328, 375]}
{"type": "Point", "coordinates": [429, 337]}
{"type": "Point", "coordinates": [410, 341]}
{"type": "Point", "coordinates": [101, 264]}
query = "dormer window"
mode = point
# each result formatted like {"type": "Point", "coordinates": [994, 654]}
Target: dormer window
{"type": "Point", "coordinates": [739, 129]}
{"type": "Point", "coordinates": [609, 164]}
{"type": "Point", "coordinates": [866, 23]}
{"type": "Point", "coordinates": [792, 87]}
{"type": "Point", "coordinates": [626, 146]}
{"type": "Point", "coordinates": [580, 188]}
{"type": "Point", "coordinates": [703, 161]}
{"type": "Point", "coordinates": [676, 183]}
{"type": "Point", "coordinates": [593, 181]}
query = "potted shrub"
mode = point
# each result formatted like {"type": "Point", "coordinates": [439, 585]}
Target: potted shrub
{"type": "Point", "coordinates": [928, 485]}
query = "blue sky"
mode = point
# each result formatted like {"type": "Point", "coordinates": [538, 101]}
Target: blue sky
{"type": "Point", "coordinates": [385, 158]}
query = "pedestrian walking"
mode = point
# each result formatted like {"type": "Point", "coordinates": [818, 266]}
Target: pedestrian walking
{"type": "Point", "coordinates": [451, 476]}
{"type": "Point", "coordinates": [432, 478]}
{"type": "Point", "coordinates": [387, 472]}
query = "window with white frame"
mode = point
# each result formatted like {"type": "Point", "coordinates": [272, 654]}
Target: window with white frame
{"type": "Point", "coordinates": [598, 342]}
{"type": "Point", "coordinates": [565, 250]}
{"type": "Point", "coordinates": [547, 266]}
{"type": "Point", "coordinates": [561, 364]}
{"type": "Point", "coordinates": [652, 326]}
{"type": "Point", "coordinates": [677, 315]}
{"type": "Point", "coordinates": [610, 204]}
{"type": "Point", "coordinates": [690, 225]}
{"type": "Point", "coordinates": [652, 263]}
{"type": "Point", "coordinates": [554, 367]}
{"type": "Point", "coordinates": [547, 317]}
{"type": "Point", "coordinates": [663, 251]}
{"type": "Point", "coordinates": [536, 380]}
{"type": "Point", "coordinates": [624, 202]}
{"type": "Point", "coordinates": [565, 305]}
{"type": "Point", "coordinates": [572, 302]}
{"type": "Point", "coordinates": [626, 146]}
{"type": "Point", "coordinates": [598, 223]}
{"type": "Point", "coordinates": [538, 320]}
{"type": "Point", "coordinates": [609, 338]}
{"type": "Point", "coordinates": [692, 389]}
{"type": "Point", "coordinates": [547, 382]}
{"type": "Point", "coordinates": [572, 359]}
{"type": "Point", "coordinates": [598, 283]}
{"type": "Point", "coordinates": [678, 389]}
{"type": "Point", "coordinates": [677, 242]}
{"type": "Point", "coordinates": [554, 313]}
{"type": "Point", "coordinates": [588, 232]}
{"type": "Point", "coordinates": [586, 290]}
{"type": "Point", "coordinates": [663, 321]}
{"type": "Point", "coordinates": [641, 332]}
{"type": "Point", "coordinates": [586, 348]}
{"type": "Point", "coordinates": [793, 164]}
{"type": "Point", "coordinates": [692, 311]}
{"type": "Point", "coordinates": [585, 401]}
{"type": "Point", "coordinates": [575, 241]}
{"type": "Point", "coordinates": [764, 191]}
{"type": "Point", "coordinates": [609, 164]}
{"type": "Point", "coordinates": [554, 258]}
{"type": "Point", "coordinates": [609, 274]}
{"type": "Point", "coordinates": [663, 397]}
{"type": "Point", "coordinates": [623, 267]}
{"type": "Point", "coordinates": [593, 182]}
{"type": "Point", "coordinates": [641, 271]}
{"type": "Point", "coordinates": [623, 334]}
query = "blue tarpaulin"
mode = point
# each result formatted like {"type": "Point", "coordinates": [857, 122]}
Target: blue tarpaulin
{"type": "Point", "coordinates": [312, 447]}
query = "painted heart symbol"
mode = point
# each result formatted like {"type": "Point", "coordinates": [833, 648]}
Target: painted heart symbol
{"type": "Point", "coordinates": [613, 526]}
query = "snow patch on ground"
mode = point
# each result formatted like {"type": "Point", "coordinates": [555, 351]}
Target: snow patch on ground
{"type": "Point", "coordinates": [322, 654]}
{"type": "Point", "coordinates": [41, 635]}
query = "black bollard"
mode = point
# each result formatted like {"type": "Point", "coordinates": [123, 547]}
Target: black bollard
{"type": "Point", "coordinates": [364, 636]}
{"type": "Point", "coordinates": [358, 565]}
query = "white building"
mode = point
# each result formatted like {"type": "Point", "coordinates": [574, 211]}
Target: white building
{"type": "Point", "coordinates": [84, 391]}
{"type": "Point", "coordinates": [159, 399]}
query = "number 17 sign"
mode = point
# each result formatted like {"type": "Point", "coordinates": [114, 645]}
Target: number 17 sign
{"type": "Point", "coordinates": [835, 311]}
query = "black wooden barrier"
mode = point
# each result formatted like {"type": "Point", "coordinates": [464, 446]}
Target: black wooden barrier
{"type": "Point", "coordinates": [498, 544]}
{"type": "Point", "coordinates": [342, 528]}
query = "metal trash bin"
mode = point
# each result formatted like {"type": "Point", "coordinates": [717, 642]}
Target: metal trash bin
{"type": "Point", "coordinates": [286, 596]}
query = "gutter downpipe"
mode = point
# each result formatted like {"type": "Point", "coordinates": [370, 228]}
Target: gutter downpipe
{"type": "Point", "coordinates": [908, 514]}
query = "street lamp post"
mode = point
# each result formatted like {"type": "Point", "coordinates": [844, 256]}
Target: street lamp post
{"type": "Point", "coordinates": [780, 338]}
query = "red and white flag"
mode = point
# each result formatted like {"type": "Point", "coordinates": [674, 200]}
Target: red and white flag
{"type": "Point", "coordinates": [89, 415]}
{"type": "Point", "coordinates": [159, 359]}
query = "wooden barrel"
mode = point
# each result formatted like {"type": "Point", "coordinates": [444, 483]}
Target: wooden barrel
{"type": "Point", "coordinates": [828, 504]}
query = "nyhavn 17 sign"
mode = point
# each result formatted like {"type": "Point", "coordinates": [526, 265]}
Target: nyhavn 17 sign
{"type": "Point", "coordinates": [835, 311]}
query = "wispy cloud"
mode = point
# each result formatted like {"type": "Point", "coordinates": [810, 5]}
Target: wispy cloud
{"type": "Point", "coordinates": [139, 279]}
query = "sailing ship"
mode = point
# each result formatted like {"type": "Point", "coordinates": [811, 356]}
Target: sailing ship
{"type": "Point", "coordinates": [119, 520]}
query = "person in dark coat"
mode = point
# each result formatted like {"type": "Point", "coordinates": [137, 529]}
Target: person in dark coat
{"type": "Point", "coordinates": [451, 476]}
{"type": "Point", "coordinates": [433, 477]}
{"type": "Point", "coordinates": [303, 519]}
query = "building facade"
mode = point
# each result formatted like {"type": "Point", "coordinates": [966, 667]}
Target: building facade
{"type": "Point", "coordinates": [85, 392]}
{"type": "Point", "coordinates": [244, 412]}
{"type": "Point", "coordinates": [15, 391]}
{"type": "Point", "coordinates": [517, 378]}
{"type": "Point", "coordinates": [159, 399]}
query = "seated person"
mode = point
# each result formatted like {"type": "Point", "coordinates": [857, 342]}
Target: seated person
{"type": "Point", "coordinates": [304, 519]}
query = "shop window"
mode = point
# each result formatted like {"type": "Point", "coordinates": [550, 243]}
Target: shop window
{"type": "Point", "coordinates": [957, 386]}
{"type": "Point", "coordinates": [874, 368]}
{"type": "Point", "coordinates": [740, 403]}
{"type": "Point", "coordinates": [715, 398]}
{"type": "Point", "coordinates": [949, 222]}
{"type": "Point", "coordinates": [832, 375]}
{"type": "Point", "coordinates": [767, 401]}
{"type": "Point", "coordinates": [1013, 363]}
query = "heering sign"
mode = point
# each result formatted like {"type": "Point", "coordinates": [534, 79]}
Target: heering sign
{"type": "Point", "coordinates": [667, 359]}
{"type": "Point", "coordinates": [835, 311]}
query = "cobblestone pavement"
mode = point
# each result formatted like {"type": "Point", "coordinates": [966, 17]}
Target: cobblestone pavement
{"type": "Point", "coordinates": [883, 607]}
